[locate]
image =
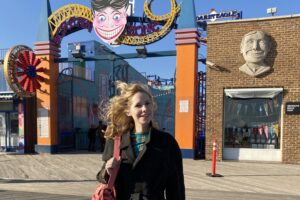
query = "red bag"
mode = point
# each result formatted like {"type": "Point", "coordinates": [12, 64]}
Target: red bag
{"type": "Point", "coordinates": [107, 191]}
{"type": "Point", "coordinates": [104, 193]}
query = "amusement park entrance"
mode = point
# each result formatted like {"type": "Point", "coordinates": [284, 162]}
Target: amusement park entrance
{"type": "Point", "coordinates": [61, 104]}
{"type": "Point", "coordinates": [75, 76]}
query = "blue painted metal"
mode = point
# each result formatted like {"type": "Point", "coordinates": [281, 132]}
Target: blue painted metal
{"type": "Point", "coordinates": [70, 26]}
{"type": "Point", "coordinates": [203, 60]}
{"type": "Point", "coordinates": [31, 72]}
{"type": "Point", "coordinates": [187, 16]}
{"type": "Point", "coordinates": [201, 116]}
{"type": "Point", "coordinates": [44, 33]}
{"type": "Point", "coordinates": [114, 56]}
{"type": "Point", "coordinates": [188, 153]}
{"type": "Point", "coordinates": [46, 148]}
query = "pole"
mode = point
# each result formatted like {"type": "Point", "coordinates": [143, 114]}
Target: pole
{"type": "Point", "coordinates": [214, 161]}
{"type": "Point", "coordinates": [214, 158]}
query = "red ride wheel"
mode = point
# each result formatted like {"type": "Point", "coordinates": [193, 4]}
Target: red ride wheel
{"type": "Point", "coordinates": [27, 71]}
{"type": "Point", "coordinates": [22, 71]}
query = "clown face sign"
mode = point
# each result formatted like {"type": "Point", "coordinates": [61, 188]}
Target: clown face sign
{"type": "Point", "coordinates": [110, 18]}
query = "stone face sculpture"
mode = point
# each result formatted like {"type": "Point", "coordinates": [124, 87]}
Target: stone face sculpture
{"type": "Point", "coordinates": [255, 46]}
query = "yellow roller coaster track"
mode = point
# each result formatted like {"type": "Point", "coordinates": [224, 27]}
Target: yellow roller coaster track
{"type": "Point", "coordinates": [65, 13]}
{"type": "Point", "coordinates": [76, 10]}
{"type": "Point", "coordinates": [141, 40]}
{"type": "Point", "coordinates": [153, 17]}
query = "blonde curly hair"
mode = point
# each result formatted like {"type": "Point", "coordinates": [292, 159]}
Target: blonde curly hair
{"type": "Point", "coordinates": [118, 121]}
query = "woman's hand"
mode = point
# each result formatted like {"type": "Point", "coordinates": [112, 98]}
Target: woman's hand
{"type": "Point", "coordinates": [111, 164]}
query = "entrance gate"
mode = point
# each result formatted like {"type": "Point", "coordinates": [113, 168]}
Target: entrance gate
{"type": "Point", "coordinates": [65, 106]}
{"type": "Point", "coordinates": [72, 18]}
{"type": "Point", "coordinates": [201, 115]}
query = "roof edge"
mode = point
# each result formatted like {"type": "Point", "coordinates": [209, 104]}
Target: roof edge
{"type": "Point", "coordinates": [254, 19]}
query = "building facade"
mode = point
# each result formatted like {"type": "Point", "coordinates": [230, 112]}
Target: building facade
{"type": "Point", "coordinates": [10, 136]}
{"type": "Point", "coordinates": [254, 114]}
{"type": "Point", "coordinates": [84, 88]}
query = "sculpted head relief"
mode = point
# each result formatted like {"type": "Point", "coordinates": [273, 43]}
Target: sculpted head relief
{"type": "Point", "coordinates": [110, 18]}
{"type": "Point", "coordinates": [255, 46]}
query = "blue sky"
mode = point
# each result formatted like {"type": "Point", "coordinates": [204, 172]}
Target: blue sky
{"type": "Point", "coordinates": [20, 20]}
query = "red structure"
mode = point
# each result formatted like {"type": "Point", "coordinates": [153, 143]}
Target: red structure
{"type": "Point", "coordinates": [214, 161]}
{"type": "Point", "coordinates": [27, 76]}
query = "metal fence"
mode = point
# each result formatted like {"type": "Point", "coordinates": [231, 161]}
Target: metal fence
{"type": "Point", "coordinates": [201, 116]}
{"type": "Point", "coordinates": [4, 87]}
{"type": "Point", "coordinates": [3, 53]}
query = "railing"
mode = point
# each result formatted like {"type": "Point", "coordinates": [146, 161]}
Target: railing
{"type": "Point", "coordinates": [4, 87]}
{"type": "Point", "coordinates": [2, 53]}
{"type": "Point", "coordinates": [201, 115]}
{"type": "Point", "coordinates": [79, 72]}
{"type": "Point", "coordinates": [160, 83]}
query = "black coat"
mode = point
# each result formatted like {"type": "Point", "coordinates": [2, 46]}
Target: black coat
{"type": "Point", "coordinates": [156, 171]}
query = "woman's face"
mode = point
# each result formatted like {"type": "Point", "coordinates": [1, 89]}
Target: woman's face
{"type": "Point", "coordinates": [109, 23]}
{"type": "Point", "coordinates": [141, 110]}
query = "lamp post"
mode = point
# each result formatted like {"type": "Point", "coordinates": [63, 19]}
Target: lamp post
{"type": "Point", "coordinates": [130, 10]}
{"type": "Point", "coordinates": [272, 11]}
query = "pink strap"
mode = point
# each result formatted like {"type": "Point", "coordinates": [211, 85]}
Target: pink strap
{"type": "Point", "coordinates": [117, 147]}
{"type": "Point", "coordinates": [113, 175]}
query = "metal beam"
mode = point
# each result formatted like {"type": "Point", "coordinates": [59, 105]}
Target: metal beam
{"type": "Point", "coordinates": [118, 56]}
{"type": "Point", "coordinates": [203, 60]}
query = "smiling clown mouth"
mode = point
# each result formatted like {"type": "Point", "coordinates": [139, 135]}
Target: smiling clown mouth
{"type": "Point", "coordinates": [111, 34]}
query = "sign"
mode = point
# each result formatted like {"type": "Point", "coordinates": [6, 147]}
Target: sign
{"type": "Point", "coordinates": [292, 108]}
{"type": "Point", "coordinates": [142, 29]}
{"type": "Point", "coordinates": [21, 144]}
{"type": "Point", "coordinates": [114, 24]}
{"type": "Point", "coordinates": [42, 122]}
{"type": "Point", "coordinates": [213, 15]}
{"type": "Point", "coordinates": [110, 19]}
{"type": "Point", "coordinates": [184, 106]}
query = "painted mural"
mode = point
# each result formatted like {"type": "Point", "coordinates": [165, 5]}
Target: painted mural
{"type": "Point", "coordinates": [109, 18]}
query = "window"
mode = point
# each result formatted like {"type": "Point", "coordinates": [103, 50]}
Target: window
{"type": "Point", "coordinates": [103, 85]}
{"type": "Point", "coordinates": [252, 118]}
{"type": "Point", "coordinates": [80, 106]}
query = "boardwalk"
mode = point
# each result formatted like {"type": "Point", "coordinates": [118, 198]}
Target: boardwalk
{"type": "Point", "coordinates": [72, 176]}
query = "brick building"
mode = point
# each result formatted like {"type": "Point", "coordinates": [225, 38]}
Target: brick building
{"type": "Point", "coordinates": [255, 126]}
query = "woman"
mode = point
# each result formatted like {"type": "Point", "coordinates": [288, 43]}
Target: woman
{"type": "Point", "coordinates": [151, 162]}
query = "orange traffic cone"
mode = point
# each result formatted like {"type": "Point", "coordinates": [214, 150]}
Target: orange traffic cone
{"type": "Point", "coordinates": [214, 161]}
